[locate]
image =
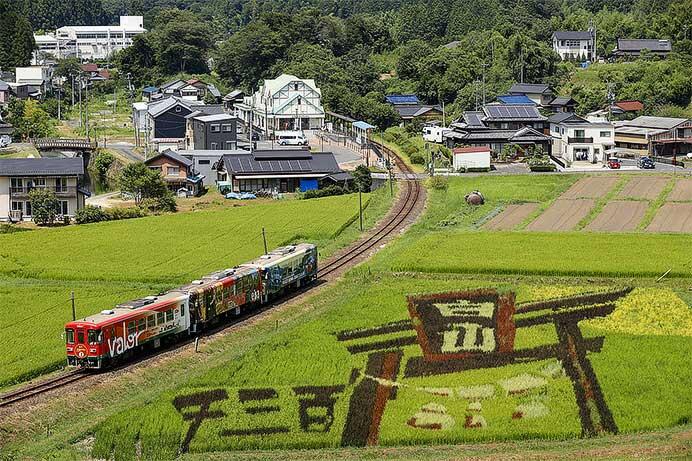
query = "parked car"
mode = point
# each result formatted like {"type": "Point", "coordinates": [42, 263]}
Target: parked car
{"type": "Point", "coordinates": [291, 138]}
{"type": "Point", "coordinates": [614, 164]}
{"type": "Point", "coordinates": [646, 163]}
{"type": "Point", "coordinates": [689, 156]}
{"type": "Point", "coordinates": [5, 141]}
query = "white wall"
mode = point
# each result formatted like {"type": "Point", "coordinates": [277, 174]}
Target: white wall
{"type": "Point", "coordinates": [472, 160]}
{"type": "Point", "coordinates": [4, 198]}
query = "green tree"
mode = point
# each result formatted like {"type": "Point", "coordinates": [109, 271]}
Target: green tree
{"type": "Point", "coordinates": [138, 60]}
{"type": "Point", "coordinates": [181, 41]}
{"type": "Point", "coordinates": [29, 120]}
{"type": "Point", "coordinates": [142, 183]}
{"type": "Point", "coordinates": [102, 162]}
{"type": "Point", "coordinates": [44, 206]}
{"type": "Point", "coordinates": [362, 179]}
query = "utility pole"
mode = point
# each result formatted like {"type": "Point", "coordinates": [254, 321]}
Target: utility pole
{"type": "Point", "coordinates": [72, 88]}
{"type": "Point", "coordinates": [521, 60]}
{"type": "Point", "coordinates": [264, 239]}
{"type": "Point", "coordinates": [86, 107]}
{"type": "Point", "coordinates": [59, 108]}
{"type": "Point", "coordinates": [74, 312]}
{"type": "Point", "coordinates": [484, 66]}
{"type": "Point", "coordinates": [81, 122]}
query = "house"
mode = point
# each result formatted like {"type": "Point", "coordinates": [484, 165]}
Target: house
{"type": "Point", "coordinates": [562, 104]}
{"type": "Point", "coordinates": [522, 138]}
{"type": "Point", "coordinates": [178, 173]}
{"type": "Point", "coordinates": [5, 93]}
{"type": "Point", "coordinates": [574, 44]}
{"type": "Point", "coordinates": [19, 91]}
{"type": "Point", "coordinates": [409, 108]}
{"type": "Point", "coordinates": [166, 123]}
{"type": "Point", "coordinates": [211, 132]}
{"type": "Point", "coordinates": [18, 176]}
{"type": "Point", "coordinates": [89, 43]}
{"type": "Point", "coordinates": [36, 78]}
{"type": "Point", "coordinates": [94, 73]}
{"type": "Point", "coordinates": [635, 136]}
{"type": "Point", "coordinates": [204, 162]}
{"type": "Point", "coordinates": [578, 139]}
{"type": "Point", "coordinates": [633, 48]}
{"type": "Point", "coordinates": [506, 117]}
{"type": "Point", "coordinates": [675, 141]}
{"type": "Point", "coordinates": [539, 93]}
{"type": "Point", "coordinates": [233, 98]}
{"type": "Point", "coordinates": [280, 170]}
{"type": "Point", "coordinates": [284, 103]}
{"type": "Point", "coordinates": [471, 158]}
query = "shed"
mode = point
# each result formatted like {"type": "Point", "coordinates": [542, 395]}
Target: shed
{"type": "Point", "coordinates": [472, 158]}
{"type": "Point", "coordinates": [361, 130]}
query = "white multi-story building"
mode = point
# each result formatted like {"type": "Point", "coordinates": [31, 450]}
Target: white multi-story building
{"type": "Point", "coordinates": [574, 45]}
{"type": "Point", "coordinates": [89, 42]}
{"type": "Point", "coordinates": [578, 139]}
{"type": "Point", "coordinates": [284, 103]}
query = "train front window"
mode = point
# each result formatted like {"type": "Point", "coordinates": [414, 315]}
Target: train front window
{"type": "Point", "coordinates": [69, 336]}
{"type": "Point", "coordinates": [94, 336]}
{"type": "Point", "coordinates": [80, 337]}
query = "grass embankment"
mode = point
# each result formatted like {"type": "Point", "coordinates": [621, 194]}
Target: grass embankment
{"type": "Point", "coordinates": [416, 168]}
{"type": "Point", "coordinates": [111, 262]}
{"type": "Point", "coordinates": [106, 119]}
{"type": "Point", "coordinates": [642, 390]}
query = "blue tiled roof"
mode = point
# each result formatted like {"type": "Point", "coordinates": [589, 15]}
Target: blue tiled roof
{"type": "Point", "coordinates": [515, 99]}
{"type": "Point", "coordinates": [363, 125]}
{"type": "Point", "coordinates": [402, 99]}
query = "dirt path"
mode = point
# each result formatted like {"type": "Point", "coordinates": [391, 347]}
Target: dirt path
{"type": "Point", "coordinates": [682, 191]}
{"type": "Point", "coordinates": [619, 216]}
{"type": "Point", "coordinates": [511, 216]}
{"type": "Point", "coordinates": [590, 187]}
{"type": "Point", "coordinates": [644, 188]}
{"type": "Point", "coordinates": [672, 217]}
{"type": "Point", "coordinates": [562, 215]}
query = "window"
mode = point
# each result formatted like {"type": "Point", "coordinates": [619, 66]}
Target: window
{"type": "Point", "coordinates": [17, 184]}
{"type": "Point", "coordinates": [169, 315]}
{"type": "Point", "coordinates": [142, 324]}
{"type": "Point", "coordinates": [159, 318]}
{"type": "Point", "coordinates": [94, 336]}
{"type": "Point", "coordinates": [69, 336]}
{"type": "Point", "coordinates": [605, 134]}
{"type": "Point", "coordinates": [203, 162]}
{"type": "Point", "coordinates": [61, 207]}
{"type": "Point", "coordinates": [28, 208]}
{"type": "Point", "coordinates": [17, 206]}
{"type": "Point", "coordinates": [215, 128]}
{"type": "Point", "coordinates": [80, 337]}
{"type": "Point", "coordinates": [173, 171]}
{"type": "Point", "coordinates": [155, 167]}
{"type": "Point", "coordinates": [151, 321]}
{"type": "Point", "coordinates": [295, 87]}
{"type": "Point", "coordinates": [182, 310]}
{"type": "Point", "coordinates": [131, 328]}
{"type": "Point", "coordinates": [229, 145]}
{"type": "Point", "coordinates": [578, 133]}
{"type": "Point", "coordinates": [214, 146]}
{"type": "Point", "coordinates": [60, 184]}
{"type": "Point", "coordinates": [227, 128]}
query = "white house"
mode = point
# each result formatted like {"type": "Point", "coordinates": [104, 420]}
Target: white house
{"type": "Point", "coordinates": [284, 103]}
{"type": "Point", "coordinates": [578, 139]}
{"type": "Point", "coordinates": [89, 42]}
{"type": "Point", "coordinates": [570, 44]}
{"type": "Point", "coordinates": [473, 158]}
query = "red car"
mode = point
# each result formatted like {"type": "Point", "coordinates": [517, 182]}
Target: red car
{"type": "Point", "coordinates": [614, 164]}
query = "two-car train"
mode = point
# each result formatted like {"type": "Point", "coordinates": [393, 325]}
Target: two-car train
{"type": "Point", "coordinates": [100, 340]}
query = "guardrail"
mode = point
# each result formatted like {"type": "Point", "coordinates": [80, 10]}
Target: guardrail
{"type": "Point", "coordinates": [676, 161]}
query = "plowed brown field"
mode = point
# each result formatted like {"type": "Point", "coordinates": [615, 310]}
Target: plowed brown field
{"type": "Point", "coordinates": [590, 187]}
{"type": "Point", "coordinates": [619, 216]}
{"type": "Point", "coordinates": [511, 216]}
{"type": "Point", "coordinates": [562, 215]}
{"type": "Point", "coordinates": [672, 217]}
{"type": "Point", "coordinates": [644, 187]}
{"type": "Point", "coordinates": [682, 191]}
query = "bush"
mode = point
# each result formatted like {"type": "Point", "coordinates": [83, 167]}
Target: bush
{"type": "Point", "coordinates": [410, 149]}
{"type": "Point", "coordinates": [438, 183]}
{"type": "Point", "coordinates": [101, 162]}
{"type": "Point", "coordinates": [44, 206]}
{"type": "Point", "coordinates": [91, 214]}
{"type": "Point", "coordinates": [417, 158]}
{"type": "Point", "coordinates": [326, 192]}
{"type": "Point", "coordinates": [162, 204]}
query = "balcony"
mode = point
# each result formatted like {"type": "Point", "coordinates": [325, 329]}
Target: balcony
{"type": "Point", "coordinates": [579, 140]}
{"type": "Point", "coordinates": [67, 191]}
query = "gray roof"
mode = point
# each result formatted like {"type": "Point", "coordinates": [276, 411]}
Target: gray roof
{"type": "Point", "coordinates": [280, 161]}
{"type": "Point", "coordinates": [159, 107]}
{"type": "Point", "coordinates": [233, 95]}
{"type": "Point", "coordinates": [4, 86]}
{"type": "Point", "coordinates": [562, 100]}
{"type": "Point", "coordinates": [474, 118]}
{"type": "Point", "coordinates": [415, 110]}
{"type": "Point", "coordinates": [523, 134]}
{"type": "Point", "coordinates": [41, 166]}
{"type": "Point", "coordinates": [202, 117]}
{"type": "Point", "coordinates": [511, 112]}
{"type": "Point", "coordinates": [173, 156]}
{"type": "Point", "coordinates": [523, 88]}
{"type": "Point", "coordinates": [645, 121]}
{"type": "Point", "coordinates": [6, 128]}
{"type": "Point", "coordinates": [174, 85]}
{"type": "Point", "coordinates": [213, 90]}
{"type": "Point", "coordinates": [572, 35]}
{"type": "Point", "coordinates": [209, 109]}
{"type": "Point", "coordinates": [564, 117]}
{"type": "Point", "coordinates": [627, 44]}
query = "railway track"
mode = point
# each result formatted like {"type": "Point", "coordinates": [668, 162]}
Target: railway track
{"type": "Point", "coordinates": [395, 219]}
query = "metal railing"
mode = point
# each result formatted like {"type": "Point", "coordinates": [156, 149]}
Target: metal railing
{"type": "Point", "coordinates": [58, 190]}
{"type": "Point", "coordinates": [580, 140]}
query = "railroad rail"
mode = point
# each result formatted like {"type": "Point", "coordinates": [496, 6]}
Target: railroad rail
{"type": "Point", "coordinates": [403, 211]}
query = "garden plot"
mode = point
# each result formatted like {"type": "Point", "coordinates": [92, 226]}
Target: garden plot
{"type": "Point", "coordinates": [511, 216]}
{"type": "Point", "coordinates": [644, 188]}
{"type": "Point", "coordinates": [563, 215]}
{"type": "Point", "coordinates": [682, 191]}
{"type": "Point", "coordinates": [619, 215]}
{"type": "Point", "coordinates": [673, 217]}
{"type": "Point", "coordinates": [591, 187]}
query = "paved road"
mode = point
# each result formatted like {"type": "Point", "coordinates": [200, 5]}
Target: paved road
{"type": "Point", "coordinates": [126, 149]}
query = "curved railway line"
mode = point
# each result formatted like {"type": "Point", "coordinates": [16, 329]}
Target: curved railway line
{"type": "Point", "coordinates": [393, 222]}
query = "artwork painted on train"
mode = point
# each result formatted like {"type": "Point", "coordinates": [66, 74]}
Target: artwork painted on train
{"type": "Point", "coordinates": [412, 377]}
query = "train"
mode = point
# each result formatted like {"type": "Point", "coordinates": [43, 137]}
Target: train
{"type": "Point", "coordinates": [114, 335]}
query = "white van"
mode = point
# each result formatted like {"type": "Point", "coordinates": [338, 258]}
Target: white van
{"type": "Point", "coordinates": [435, 134]}
{"type": "Point", "coordinates": [291, 138]}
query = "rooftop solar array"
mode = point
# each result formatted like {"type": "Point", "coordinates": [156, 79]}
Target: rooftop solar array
{"type": "Point", "coordinates": [512, 111]}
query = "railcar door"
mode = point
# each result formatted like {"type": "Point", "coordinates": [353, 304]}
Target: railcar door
{"type": "Point", "coordinates": [81, 349]}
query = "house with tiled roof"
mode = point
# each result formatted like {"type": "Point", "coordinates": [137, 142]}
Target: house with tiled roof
{"type": "Point", "coordinates": [633, 48]}
{"type": "Point", "coordinates": [574, 44]}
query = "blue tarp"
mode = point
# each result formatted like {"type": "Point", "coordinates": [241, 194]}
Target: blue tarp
{"type": "Point", "coordinates": [308, 184]}
{"type": "Point", "coordinates": [363, 125]}
{"type": "Point", "coordinates": [515, 99]}
{"type": "Point", "coordinates": [243, 196]}
{"type": "Point", "coordinates": [402, 99]}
